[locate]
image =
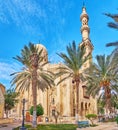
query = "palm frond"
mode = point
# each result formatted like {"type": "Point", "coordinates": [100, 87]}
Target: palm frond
{"type": "Point", "coordinates": [113, 25]}
{"type": "Point", "coordinates": [22, 80]}
{"type": "Point", "coordinates": [113, 16]}
{"type": "Point", "coordinates": [112, 44]}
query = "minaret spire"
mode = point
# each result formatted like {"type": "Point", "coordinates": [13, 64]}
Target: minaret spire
{"type": "Point", "coordinates": [83, 4]}
{"type": "Point", "coordinates": [85, 30]}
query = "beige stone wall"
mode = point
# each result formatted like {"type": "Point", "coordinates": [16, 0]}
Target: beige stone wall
{"type": "Point", "coordinates": [2, 92]}
{"type": "Point", "coordinates": [1, 110]}
{"type": "Point", "coordinates": [6, 121]}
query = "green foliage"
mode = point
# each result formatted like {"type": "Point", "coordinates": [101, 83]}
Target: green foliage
{"type": "Point", "coordinates": [113, 25]}
{"type": "Point", "coordinates": [34, 73]}
{"type": "Point", "coordinates": [117, 106]}
{"type": "Point", "coordinates": [101, 110]}
{"type": "Point", "coordinates": [53, 127]}
{"type": "Point", "coordinates": [11, 98]}
{"type": "Point", "coordinates": [89, 116]}
{"type": "Point", "coordinates": [39, 110]}
{"type": "Point", "coordinates": [103, 75]}
{"type": "Point", "coordinates": [22, 79]}
{"type": "Point", "coordinates": [101, 105]}
{"type": "Point", "coordinates": [94, 125]}
{"type": "Point", "coordinates": [73, 61]}
{"type": "Point", "coordinates": [116, 119]}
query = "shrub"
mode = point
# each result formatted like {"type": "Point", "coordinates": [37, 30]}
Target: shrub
{"type": "Point", "coordinates": [91, 117]}
{"type": "Point", "coordinates": [117, 119]}
{"type": "Point", "coordinates": [39, 110]}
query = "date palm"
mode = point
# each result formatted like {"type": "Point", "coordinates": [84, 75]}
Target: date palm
{"type": "Point", "coordinates": [113, 25]}
{"type": "Point", "coordinates": [33, 73]}
{"type": "Point", "coordinates": [103, 75]}
{"type": "Point", "coordinates": [112, 102]}
{"type": "Point", "coordinates": [72, 68]}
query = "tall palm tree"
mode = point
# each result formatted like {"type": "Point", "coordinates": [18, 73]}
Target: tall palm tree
{"type": "Point", "coordinates": [112, 102]}
{"type": "Point", "coordinates": [103, 75]}
{"type": "Point", "coordinates": [113, 25]}
{"type": "Point", "coordinates": [100, 105]}
{"type": "Point", "coordinates": [73, 61]}
{"type": "Point", "coordinates": [33, 73]}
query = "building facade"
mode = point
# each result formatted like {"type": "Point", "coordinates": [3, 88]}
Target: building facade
{"type": "Point", "coordinates": [2, 92]}
{"type": "Point", "coordinates": [62, 97]}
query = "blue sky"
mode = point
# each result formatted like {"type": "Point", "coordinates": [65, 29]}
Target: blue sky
{"type": "Point", "coordinates": [54, 23]}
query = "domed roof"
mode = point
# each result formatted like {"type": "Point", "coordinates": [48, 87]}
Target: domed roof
{"type": "Point", "coordinates": [44, 52]}
{"type": "Point", "coordinates": [40, 46]}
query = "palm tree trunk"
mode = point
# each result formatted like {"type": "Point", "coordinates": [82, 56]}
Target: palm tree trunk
{"type": "Point", "coordinates": [108, 97]}
{"type": "Point", "coordinates": [77, 99]}
{"type": "Point", "coordinates": [34, 63]}
{"type": "Point", "coordinates": [6, 112]}
{"type": "Point", "coordinates": [34, 90]}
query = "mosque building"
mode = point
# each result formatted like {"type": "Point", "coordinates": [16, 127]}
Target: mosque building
{"type": "Point", "coordinates": [62, 97]}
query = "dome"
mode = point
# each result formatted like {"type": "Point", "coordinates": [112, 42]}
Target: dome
{"type": "Point", "coordinates": [44, 52]}
{"type": "Point", "coordinates": [40, 46]}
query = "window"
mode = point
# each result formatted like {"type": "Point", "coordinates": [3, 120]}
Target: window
{"type": "Point", "coordinates": [85, 95]}
{"type": "Point", "coordinates": [53, 101]}
{"type": "Point", "coordinates": [53, 112]}
{"type": "Point", "coordinates": [14, 110]}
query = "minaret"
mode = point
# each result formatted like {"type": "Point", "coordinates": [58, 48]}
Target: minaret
{"type": "Point", "coordinates": [85, 30]}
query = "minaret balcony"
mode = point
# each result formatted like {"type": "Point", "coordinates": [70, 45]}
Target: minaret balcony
{"type": "Point", "coordinates": [85, 27]}
{"type": "Point", "coordinates": [84, 15]}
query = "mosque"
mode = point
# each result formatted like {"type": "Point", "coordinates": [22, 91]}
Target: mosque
{"type": "Point", "coordinates": [62, 97]}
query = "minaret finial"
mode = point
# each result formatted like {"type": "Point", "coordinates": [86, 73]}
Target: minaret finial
{"type": "Point", "coordinates": [83, 4]}
{"type": "Point", "coordinates": [85, 28]}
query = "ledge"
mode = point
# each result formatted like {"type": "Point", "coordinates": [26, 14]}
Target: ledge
{"type": "Point", "coordinates": [6, 120]}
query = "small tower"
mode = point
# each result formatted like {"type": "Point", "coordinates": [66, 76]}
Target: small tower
{"type": "Point", "coordinates": [85, 30]}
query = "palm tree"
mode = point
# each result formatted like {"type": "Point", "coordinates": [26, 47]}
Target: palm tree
{"type": "Point", "coordinates": [33, 73]}
{"type": "Point", "coordinates": [113, 25]}
{"type": "Point", "coordinates": [100, 105]}
{"type": "Point", "coordinates": [112, 102]}
{"type": "Point", "coordinates": [103, 76]}
{"type": "Point", "coordinates": [73, 61]}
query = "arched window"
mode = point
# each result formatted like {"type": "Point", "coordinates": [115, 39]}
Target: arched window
{"type": "Point", "coordinates": [85, 95]}
{"type": "Point", "coordinates": [53, 101]}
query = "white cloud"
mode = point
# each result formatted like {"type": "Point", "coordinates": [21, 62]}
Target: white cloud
{"type": "Point", "coordinates": [23, 14]}
{"type": "Point", "coordinates": [6, 69]}
{"type": "Point", "coordinates": [43, 16]}
{"type": "Point", "coordinates": [59, 45]}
